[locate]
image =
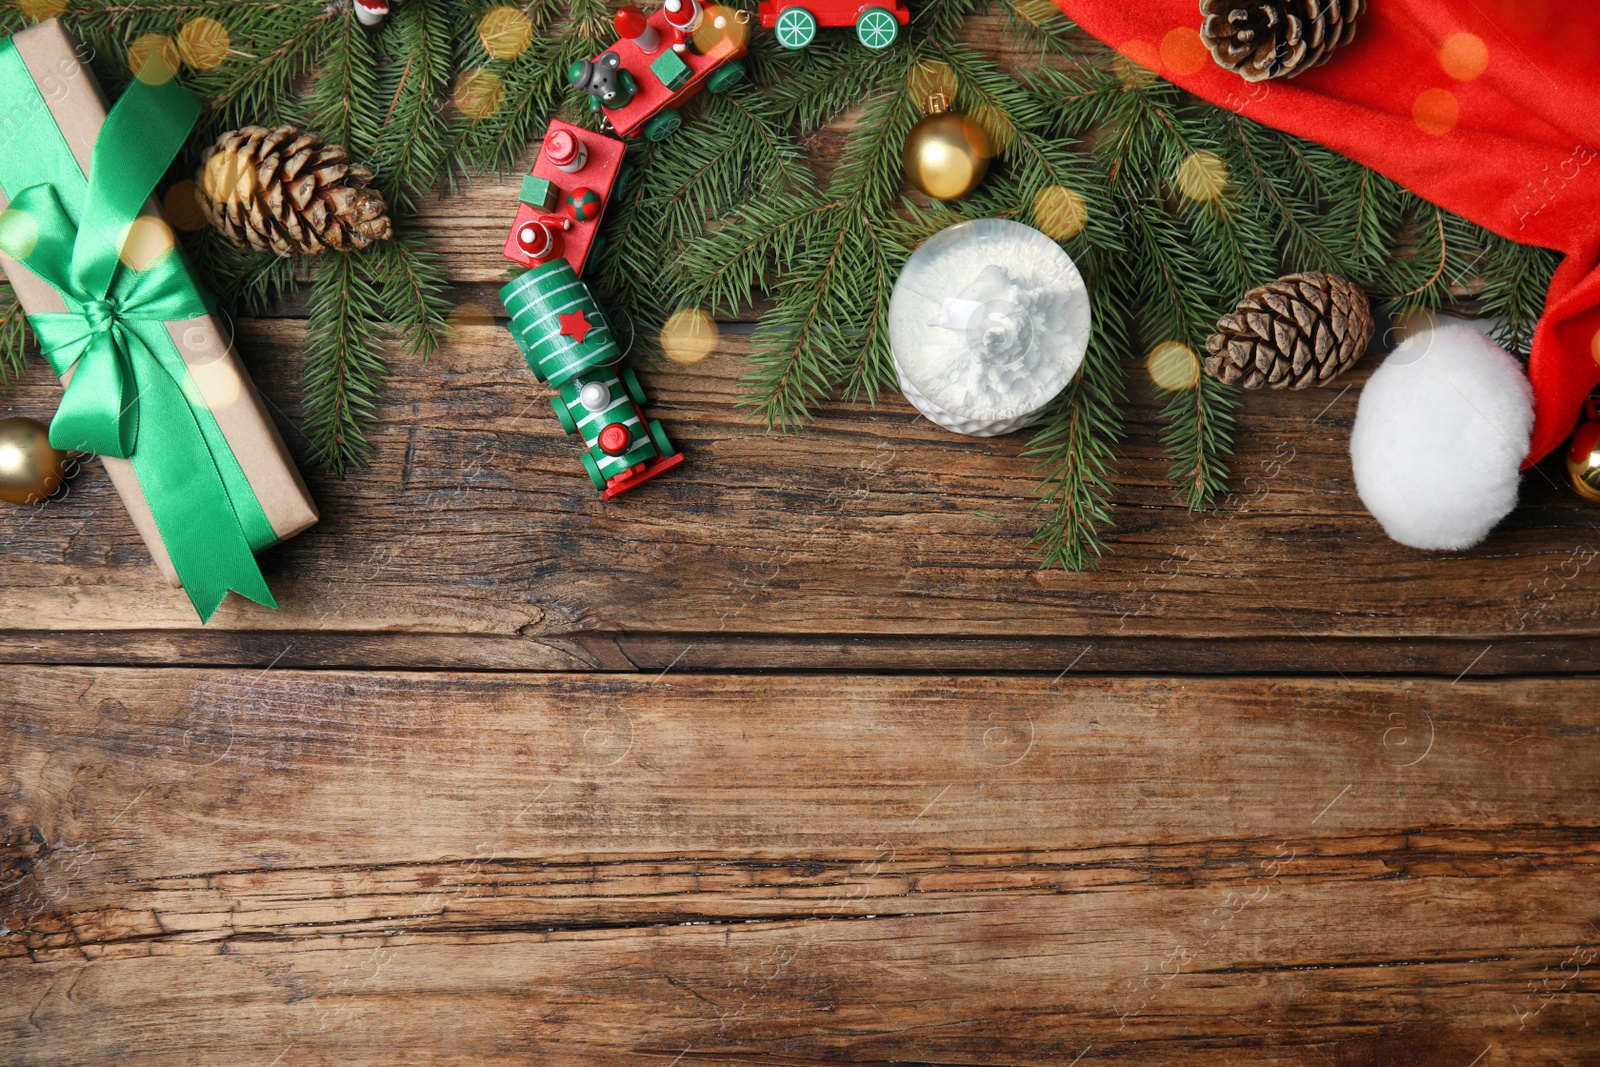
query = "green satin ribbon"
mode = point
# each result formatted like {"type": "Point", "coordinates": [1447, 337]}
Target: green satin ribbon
{"type": "Point", "coordinates": [130, 395]}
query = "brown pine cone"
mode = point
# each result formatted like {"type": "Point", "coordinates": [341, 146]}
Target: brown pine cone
{"type": "Point", "coordinates": [1303, 329]}
{"type": "Point", "coordinates": [1261, 39]}
{"type": "Point", "coordinates": [284, 191]}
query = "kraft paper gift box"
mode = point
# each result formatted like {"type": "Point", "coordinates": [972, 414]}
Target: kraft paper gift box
{"type": "Point", "coordinates": [45, 86]}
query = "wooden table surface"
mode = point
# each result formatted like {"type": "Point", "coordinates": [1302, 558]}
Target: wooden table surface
{"type": "Point", "coordinates": [794, 756]}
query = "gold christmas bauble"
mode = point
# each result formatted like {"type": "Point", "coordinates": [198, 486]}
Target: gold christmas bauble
{"type": "Point", "coordinates": [30, 469]}
{"type": "Point", "coordinates": [1583, 462]}
{"type": "Point", "coordinates": [947, 155]}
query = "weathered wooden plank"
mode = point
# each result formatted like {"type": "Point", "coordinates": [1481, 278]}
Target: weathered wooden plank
{"type": "Point", "coordinates": [477, 519]}
{"type": "Point", "coordinates": [227, 867]}
{"type": "Point", "coordinates": [702, 653]}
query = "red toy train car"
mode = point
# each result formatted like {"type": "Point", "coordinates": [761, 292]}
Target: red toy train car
{"type": "Point", "coordinates": [660, 62]}
{"type": "Point", "coordinates": [795, 22]}
{"type": "Point", "coordinates": [563, 199]}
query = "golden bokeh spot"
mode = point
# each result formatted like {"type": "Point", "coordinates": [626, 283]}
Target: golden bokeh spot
{"type": "Point", "coordinates": [1183, 52]}
{"type": "Point", "coordinates": [1464, 56]}
{"type": "Point", "coordinates": [464, 316]}
{"type": "Point", "coordinates": [1136, 63]}
{"type": "Point", "coordinates": [1036, 12]}
{"type": "Point", "coordinates": [153, 59]}
{"type": "Point", "coordinates": [505, 32]}
{"type": "Point", "coordinates": [1594, 345]}
{"type": "Point", "coordinates": [1059, 212]}
{"type": "Point", "coordinates": [1174, 366]}
{"type": "Point", "coordinates": [19, 233]}
{"type": "Point", "coordinates": [721, 24]}
{"type": "Point", "coordinates": [228, 179]}
{"type": "Point", "coordinates": [146, 242]}
{"type": "Point", "coordinates": [203, 43]}
{"type": "Point", "coordinates": [1436, 111]}
{"type": "Point", "coordinates": [689, 336]}
{"type": "Point", "coordinates": [1202, 176]}
{"type": "Point", "coordinates": [929, 80]}
{"type": "Point", "coordinates": [39, 10]}
{"type": "Point", "coordinates": [479, 93]}
{"type": "Point", "coordinates": [181, 205]}
{"type": "Point", "coordinates": [217, 383]}
{"type": "Point", "coordinates": [1408, 324]}
{"type": "Point", "coordinates": [995, 125]}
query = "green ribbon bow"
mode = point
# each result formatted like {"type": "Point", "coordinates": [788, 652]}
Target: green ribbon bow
{"type": "Point", "coordinates": [130, 395]}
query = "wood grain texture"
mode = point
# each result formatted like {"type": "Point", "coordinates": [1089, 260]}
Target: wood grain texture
{"type": "Point", "coordinates": [353, 867]}
{"type": "Point", "coordinates": [477, 519]}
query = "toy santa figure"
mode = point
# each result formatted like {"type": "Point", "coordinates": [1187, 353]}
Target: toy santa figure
{"type": "Point", "coordinates": [683, 18]}
{"type": "Point", "coordinates": [371, 12]}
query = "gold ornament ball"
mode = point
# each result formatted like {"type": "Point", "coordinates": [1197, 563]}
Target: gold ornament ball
{"type": "Point", "coordinates": [1583, 462]}
{"type": "Point", "coordinates": [30, 469]}
{"type": "Point", "coordinates": [947, 155]}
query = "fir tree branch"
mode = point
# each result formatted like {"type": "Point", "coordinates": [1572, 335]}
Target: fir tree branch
{"type": "Point", "coordinates": [344, 363]}
{"type": "Point", "coordinates": [13, 338]}
{"type": "Point", "coordinates": [411, 285]}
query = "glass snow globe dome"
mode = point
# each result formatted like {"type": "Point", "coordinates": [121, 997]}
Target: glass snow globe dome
{"type": "Point", "coordinates": [988, 322]}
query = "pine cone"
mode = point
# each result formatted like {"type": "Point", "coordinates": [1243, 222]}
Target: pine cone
{"type": "Point", "coordinates": [284, 191]}
{"type": "Point", "coordinates": [1261, 39]}
{"type": "Point", "coordinates": [1303, 329]}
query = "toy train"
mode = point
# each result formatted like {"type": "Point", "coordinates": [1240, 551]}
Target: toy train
{"type": "Point", "coordinates": [659, 63]}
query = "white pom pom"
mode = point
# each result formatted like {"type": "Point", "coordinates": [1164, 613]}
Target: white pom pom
{"type": "Point", "coordinates": [1440, 433]}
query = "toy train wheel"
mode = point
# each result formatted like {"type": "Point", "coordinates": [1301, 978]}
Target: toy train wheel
{"type": "Point", "coordinates": [795, 28]}
{"type": "Point", "coordinates": [635, 390]}
{"type": "Point", "coordinates": [593, 468]}
{"type": "Point", "coordinates": [726, 77]}
{"type": "Point", "coordinates": [877, 28]}
{"type": "Point", "coordinates": [658, 434]}
{"type": "Point", "coordinates": [624, 176]}
{"type": "Point", "coordinates": [663, 125]}
{"type": "Point", "coordinates": [563, 416]}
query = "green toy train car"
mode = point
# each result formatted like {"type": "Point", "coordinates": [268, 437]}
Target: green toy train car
{"type": "Point", "coordinates": [568, 342]}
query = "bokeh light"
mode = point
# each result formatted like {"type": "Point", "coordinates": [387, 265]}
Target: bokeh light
{"type": "Point", "coordinates": [505, 32]}
{"type": "Point", "coordinates": [929, 80]}
{"type": "Point", "coordinates": [182, 206]}
{"type": "Point", "coordinates": [1407, 324]}
{"type": "Point", "coordinates": [1594, 346]}
{"type": "Point", "coordinates": [1436, 111]}
{"type": "Point", "coordinates": [721, 24]}
{"type": "Point", "coordinates": [1174, 366]}
{"type": "Point", "coordinates": [203, 43]}
{"type": "Point", "coordinates": [19, 233]}
{"type": "Point", "coordinates": [689, 336]}
{"type": "Point", "coordinates": [996, 126]}
{"type": "Point", "coordinates": [1136, 63]}
{"type": "Point", "coordinates": [468, 315]}
{"type": "Point", "coordinates": [1183, 52]}
{"type": "Point", "coordinates": [1202, 176]}
{"type": "Point", "coordinates": [217, 382]}
{"type": "Point", "coordinates": [228, 179]}
{"type": "Point", "coordinates": [1059, 213]}
{"type": "Point", "coordinates": [478, 93]}
{"type": "Point", "coordinates": [153, 59]}
{"type": "Point", "coordinates": [1464, 56]}
{"type": "Point", "coordinates": [39, 10]}
{"type": "Point", "coordinates": [146, 242]}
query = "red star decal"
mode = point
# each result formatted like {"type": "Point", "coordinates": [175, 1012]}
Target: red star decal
{"type": "Point", "coordinates": [575, 326]}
